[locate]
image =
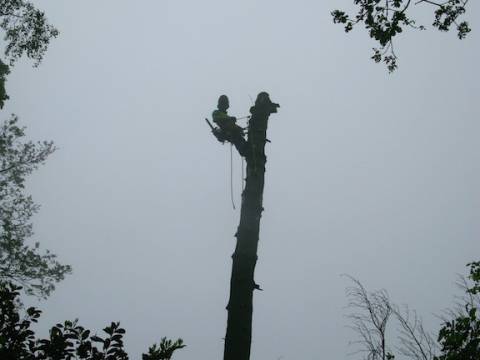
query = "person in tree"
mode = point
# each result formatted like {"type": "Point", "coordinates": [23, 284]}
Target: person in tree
{"type": "Point", "coordinates": [230, 131]}
{"type": "Point", "coordinates": [226, 122]}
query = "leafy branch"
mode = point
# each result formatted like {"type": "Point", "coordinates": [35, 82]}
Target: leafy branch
{"type": "Point", "coordinates": [385, 19]}
{"type": "Point", "coordinates": [37, 272]}
{"type": "Point", "coordinates": [67, 340]}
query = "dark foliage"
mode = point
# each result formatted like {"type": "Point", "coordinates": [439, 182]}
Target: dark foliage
{"type": "Point", "coordinates": [385, 19]}
{"type": "Point", "coordinates": [67, 341]}
{"type": "Point", "coordinates": [164, 350]}
{"type": "Point", "coordinates": [26, 32]}
{"type": "Point", "coordinates": [23, 264]}
{"type": "Point", "coordinates": [460, 338]}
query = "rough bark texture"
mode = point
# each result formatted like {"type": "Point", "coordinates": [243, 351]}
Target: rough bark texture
{"type": "Point", "coordinates": [242, 284]}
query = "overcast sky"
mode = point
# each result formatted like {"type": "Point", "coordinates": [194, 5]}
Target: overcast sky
{"type": "Point", "coordinates": [369, 173]}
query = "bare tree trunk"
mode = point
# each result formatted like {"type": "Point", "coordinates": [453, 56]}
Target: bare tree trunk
{"type": "Point", "coordinates": [240, 306]}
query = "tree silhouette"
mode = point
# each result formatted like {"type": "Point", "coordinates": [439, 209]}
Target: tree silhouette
{"type": "Point", "coordinates": [67, 341]}
{"type": "Point", "coordinates": [242, 284]}
{"type": "Point", "coordinates": [27, 33]}
{"type": "Point", "coordinates": [26, 265]}
{"type": "Point", "coordinates": [458, 338]}
{"type": "Point", "coordinates": [385, 19]}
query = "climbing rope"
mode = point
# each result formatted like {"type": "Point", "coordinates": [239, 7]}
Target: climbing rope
{"type": "Point", "coordinates": [231, 177]}
{"type": "Point", "coordinates": [242, 179]}
{"type": "Point", "coordinates": [243, 176]}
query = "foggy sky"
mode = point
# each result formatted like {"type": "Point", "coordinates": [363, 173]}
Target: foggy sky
{"type": "Point", "coordinates": [368, 173]}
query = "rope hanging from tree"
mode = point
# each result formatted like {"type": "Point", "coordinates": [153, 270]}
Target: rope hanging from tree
{"type": "Point", "coordinates": [231, 177]}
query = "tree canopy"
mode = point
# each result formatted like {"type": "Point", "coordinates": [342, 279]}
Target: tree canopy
{"type": "Point", "coordinates": [26, 33]}
{"type": "Point", "coordinates": [26, 265]}
{"type": "Point", "coordinates": [385, 19]}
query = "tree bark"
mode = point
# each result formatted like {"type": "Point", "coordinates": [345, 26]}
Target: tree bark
{"type": "Point", "coordinates": [240, 305]}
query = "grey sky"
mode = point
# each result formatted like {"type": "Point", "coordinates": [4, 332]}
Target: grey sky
{"type": "Point", "coordinates": [370, 174]}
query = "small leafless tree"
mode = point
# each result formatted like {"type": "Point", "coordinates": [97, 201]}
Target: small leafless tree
{"type": "Point", "coordinates": [371, 312]}
{"type": "Point", "coordinates": [370, 316]}
{"type": "Point", "coordinates": [414, 341]}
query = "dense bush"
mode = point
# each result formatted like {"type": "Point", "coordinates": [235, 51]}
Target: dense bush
{"type": "Point", "coordinates": [67, 341]}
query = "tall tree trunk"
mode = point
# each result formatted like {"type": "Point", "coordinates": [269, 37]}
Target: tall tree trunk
{"type": "Point", "coordinates": [240, 306]}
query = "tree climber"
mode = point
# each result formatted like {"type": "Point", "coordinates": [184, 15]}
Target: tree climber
{"type": "Point", "coordinates": [228, 126]}
{"type": "Point", "coordinates": [226, 122]}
